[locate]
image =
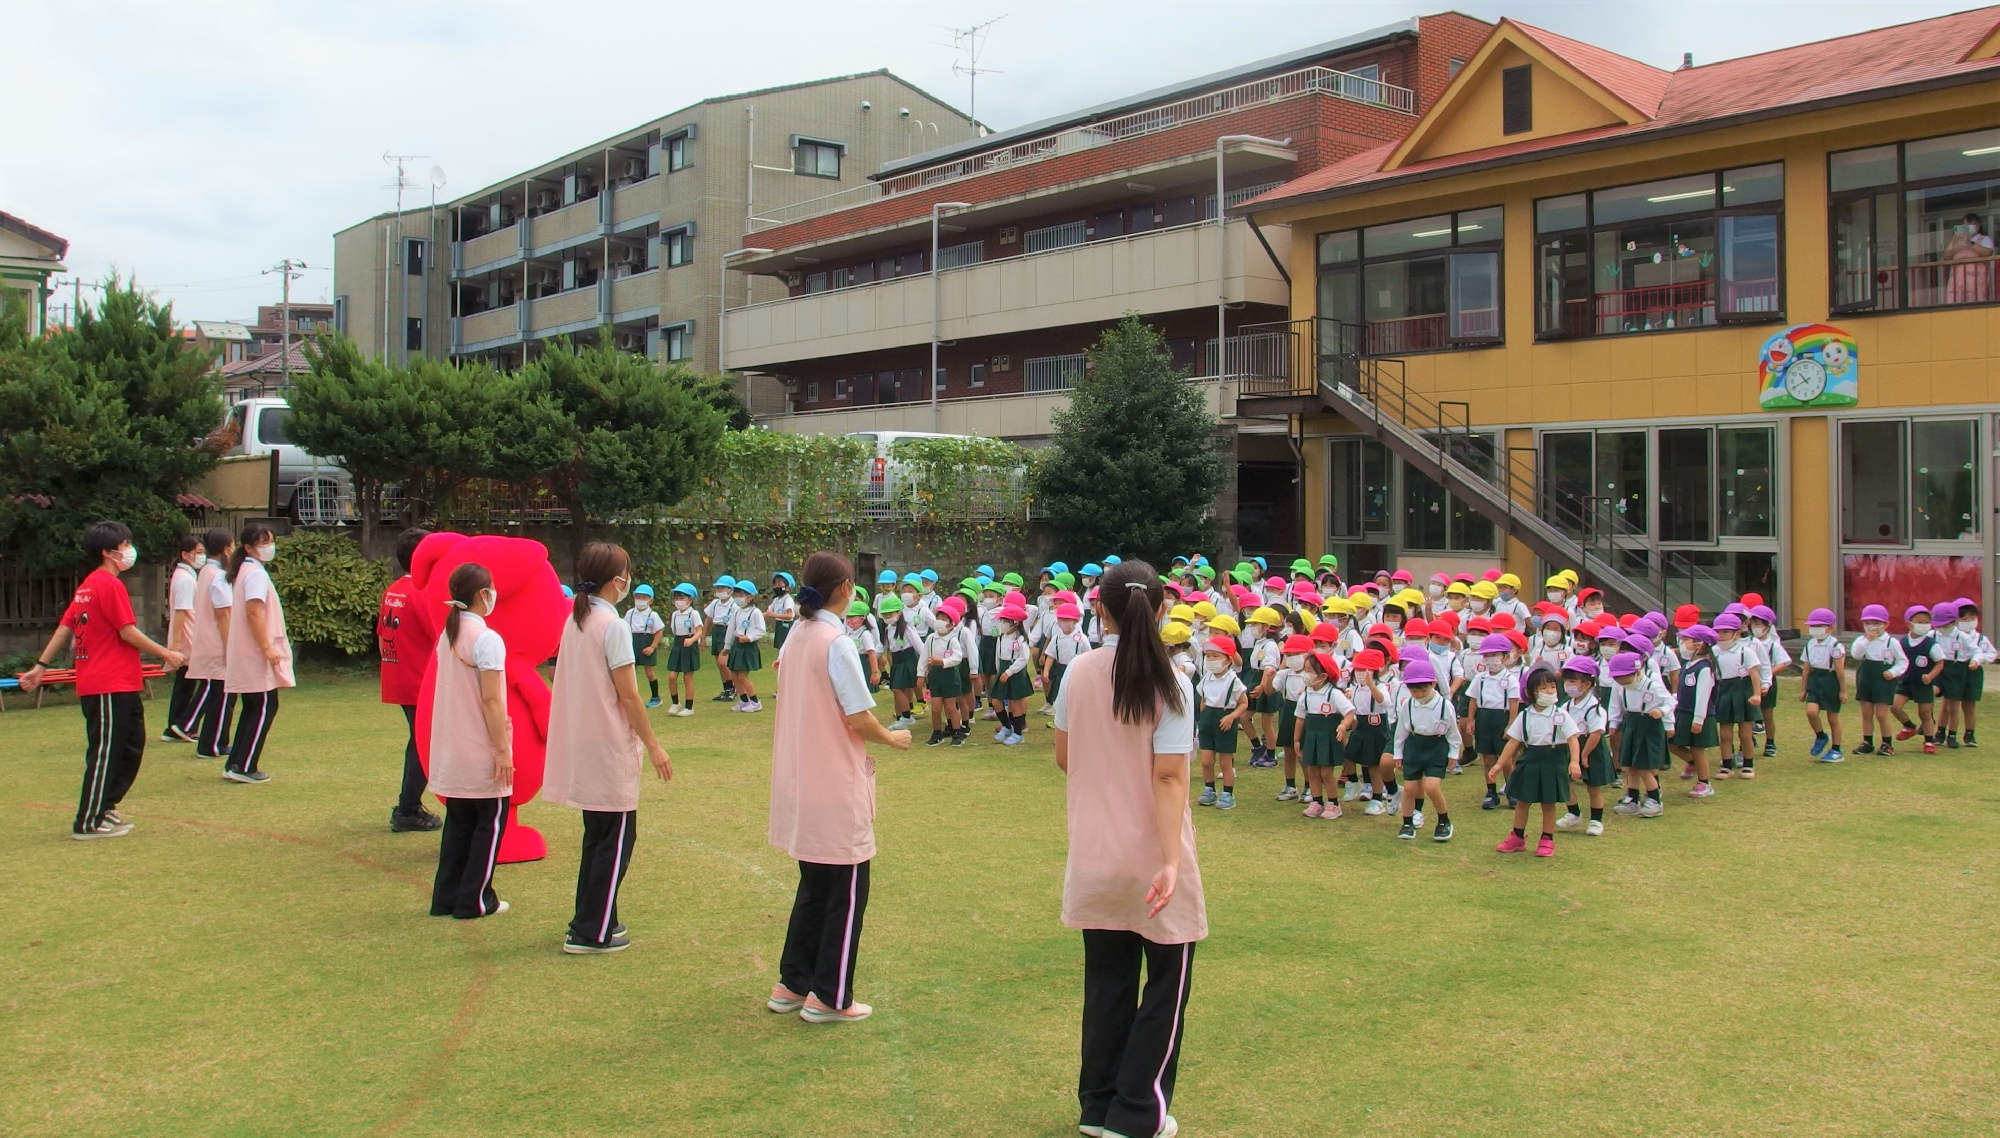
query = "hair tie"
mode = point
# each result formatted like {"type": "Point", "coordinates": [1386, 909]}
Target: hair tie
{"type": "Point", "coordinates": [811, 597]}
{"type": "Point", "coordinates": [458, 604]}
{"type": "Point", "coordinates": [1135, 584]}
{"type": "Point", "coordinates": [586, 586]}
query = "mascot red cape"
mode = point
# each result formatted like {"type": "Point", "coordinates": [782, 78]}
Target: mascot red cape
{"type": "Point", "coordinates": [528, 616]}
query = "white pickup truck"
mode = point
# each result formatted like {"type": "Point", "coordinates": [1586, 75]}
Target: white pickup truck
{"type": "Point", "coordinates": [312, 491]}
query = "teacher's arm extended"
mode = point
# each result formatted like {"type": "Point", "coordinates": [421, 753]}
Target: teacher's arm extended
{"type": "Point", "coordinates": [870, 729]}
{"type": "Point", "coordinates": [1170, 791]}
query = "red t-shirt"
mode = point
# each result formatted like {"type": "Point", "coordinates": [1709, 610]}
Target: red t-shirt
{"type": "Point", "coordinates": [403, 659]}
{"type": "Point", "coordinates": [98, 612]}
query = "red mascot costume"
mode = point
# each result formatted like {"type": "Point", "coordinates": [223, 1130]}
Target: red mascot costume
{"type": "Point", "coordinates": [529, 618]}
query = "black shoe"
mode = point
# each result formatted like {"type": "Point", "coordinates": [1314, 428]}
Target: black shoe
{"type": "Point", "coordinates": [936, 738]}
{"type": "Point", "coordinates": [958, 738]}
{"type": "Point", "coordinates": [1408, 831]}
{"type": "Point", "coordinates": [1443, 832]}
{"type": "Point", "coordinates": [1770, 749]}
{"type": "Point", "coordinates": [1865, 749]}
{"type": "Point", "coordinates": [1888, 748]}
{"type": "Point", "coordinates": [1951, 742]}
{"type": "Point", "coordinates": [252, 777]}
{"type": "Point", "coordinates": [726, 695]}
{"type": "Point", "coordinates": [576, 947]}
{"type": "Point", "coordinates": [1491, 802]}
{"type": "Point", "coordinates": [1968, 739]}
{"type": "Point", "coordinates": [419, 821]}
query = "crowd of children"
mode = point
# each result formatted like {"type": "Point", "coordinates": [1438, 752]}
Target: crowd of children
{"type": "Point", "coordinates": [1378, 692]}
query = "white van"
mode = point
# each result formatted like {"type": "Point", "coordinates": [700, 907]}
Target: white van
{"type": "Point", "coordinates": [312, 491]}
{"type": "Point", "coordinates": [879, 476]}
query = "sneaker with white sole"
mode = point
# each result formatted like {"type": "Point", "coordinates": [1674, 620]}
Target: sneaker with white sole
{"type": "Point", "coordinates": [252, 777]}
{"type": "Point", "coordinates": [815, 1012]}
{"type": "Point", "coordinates": [783, 1000]}
{"type": "Point", "coordinates": [1207, 797]}
{"type": "Point", "coordinates": [1376, 806]}
{"type": "Point", "coordinates": [1226, 800]}
{"type": "Point", "coordinates": [1289, 794]}
{"type": "Point", "coordinates": [1595, 829]}
{"type": "Point", "coordinates": [685, 711]}
{"type": "Point", "coordinates": [1443, 832]}
{"type": "Point", "coordinates": [617, 943]}
{"type": "Point", "coordinates": [1352, 792]}
{"type": "Point", "coordinates": [1314, 809]}
{"type": "Point", "coordinates": [1626, 806]}
{"type": "Point", "coordinates": [753, 706]}
{"type": "Point", "coordinates": [1408, 832]}
{"type": "Point", "coordinates": [1702, 790]}
{"type": "Point", "coordinates": [1417, 817]}
{"type": "Point", "coordinates": [1652, 808]}
{"type": "Point", "coordinates": [1569, 822]}
{"type": "Point", "coordinates": [105, 828]}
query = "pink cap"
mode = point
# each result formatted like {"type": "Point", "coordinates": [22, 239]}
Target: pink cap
{"type": "Point", "coordinates": [1012, 612]}
{"type": "Point", "coordinates": [1068, 611]}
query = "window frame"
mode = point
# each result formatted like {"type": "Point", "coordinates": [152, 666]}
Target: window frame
{"type": "Point", "coordinates": [801, 141]}
{"type": "Point", "coordinates": [674, 155]}
{"type": "Point", "coordinates": [1899, 189]}
{"type": "Point", "coordinates": [1362, 262]}
{"type": "Point", "coordinates": [677, 238]}
{"type": "Point", "coordinates": [677, 341]}
{"type": "Point", "coordinates": [1714, 213]}
{"type": "Point", "coordinates": [1907, 423]}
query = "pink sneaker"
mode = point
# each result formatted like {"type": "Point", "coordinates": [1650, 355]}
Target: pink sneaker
{"type": "Point", "coordinates": [1546, 847]}
{"type": "Point", "coordinates": [1512, 843]}
{"type": "Point", "coordinates": [1314, 810]}
{"type": "Point", "coordinates": [1687, 773]}
{"type": "Point", "coordinates": [1702, 790]}
{"type": "Point", "coordinates": [1331, 812]}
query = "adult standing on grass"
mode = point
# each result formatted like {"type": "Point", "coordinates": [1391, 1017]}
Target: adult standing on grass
{"type": "Point", "coordinates": [209, 711]}
{"type": "Point", "coordinates": [405, 656]}
{"type": "Point", "coordinates": [597, 731]}
{"type": "Point", "coordinates": [1124, 727]}
{"type": "Point", "coordinates": [99, 622]}
{"type": "Point", "coordinates": [180, 618]}
{"type": "Point", "coordinates": [823, 796]}
{"type": "Point", "coordinates": [259, 656]}
{"type": "Point", "coordinates": [471, 749]}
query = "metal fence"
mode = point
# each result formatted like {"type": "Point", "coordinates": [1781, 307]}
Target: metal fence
{"type": "Point", "coordinates": [1053, 373]}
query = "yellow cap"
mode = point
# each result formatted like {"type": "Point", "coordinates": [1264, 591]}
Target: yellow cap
{"type": "Point", "coordinates": [1484, 590]}
{"type": "Point", "coordinates": [1338, 606]}
{"type": "Point", "coordinates": [1224, 625]}
{"type": "Point", "coordinates": [1205, 610]}
{"type": "Point", "coordinates": [1556, 582]}
{"type": "Point", "coordinates": [1176, 633]}
{"type": "Point", "coordinates": [1307, 618]}
{"type": "Point", "coordinates": [1508, 581]}
{"type": "Point", "coordinates": [1410, 597]}
{"type": "Point", "coordinates": [1181, 613]}
{"type": "Point", "coordinates": [1457, 589]}
{"type": "Point", "coordinates": [1265, 614]}
{"type": "Point", "coordinates": [1570, 576]}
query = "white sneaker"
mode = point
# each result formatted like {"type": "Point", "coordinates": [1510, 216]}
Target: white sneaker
{"type": "Point", "coordinates": [1376, 806]}
{"type": "Point", "coordinates": [684, 712]}
{"type": "Point", "coordinates": [1352, 792]}
{"type": "Point", "coordinates": [1625, 806]}
{"type": "Point", "coordinates": [1651, 808]}
{"type": "Point", "coordinates": [1569, 821]}
{"type": "Point", "coordinates": [1396, 801]}
{"type": "Point", "coordinates": [752, 706]}
{"type": "Point", "coordinates": [1595, 829]}
{"type": "Point", "coordinates": [1289, 794]}
{"type": "Point", "coordinates": [105, 829]}
{"type": "Point", "coordinates": [1417, 818]}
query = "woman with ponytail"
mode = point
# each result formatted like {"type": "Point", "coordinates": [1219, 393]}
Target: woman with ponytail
{"type": "Point", "coordinates": [597, 731]}
{"type": "Point", "coordinates": [258, 657]}
{"type": "Point", "coordinates": [1124, 728]}
{"type": "Point", "coordinates": [471, 749]}
{"type": "Point", "coordinates": [823, 796]}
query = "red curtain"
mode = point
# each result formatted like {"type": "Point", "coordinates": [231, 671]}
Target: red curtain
{"type": "Point", "coordinates": [1899, 580]}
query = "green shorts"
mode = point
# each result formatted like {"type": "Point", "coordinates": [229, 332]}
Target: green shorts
{"type": "Point", "coordinates": [1871, 685]}
{"type": "Point", "coordinates": [718, 640]}
{"type": "Point", "coordinates": [1823, 689]}
{"type": "Point", "coordinates": [1425, 756]}
{"type": "Point", "coordinates": [1210, 735]}
{"type": "Point", "coordinates": [945, 683]}
{"type": "Point", "coordinates": [1489, 730]}
{"type": "Point", "coordinates": [642, 642]}
{"type": "Point", "coordinates": [1288, 719]}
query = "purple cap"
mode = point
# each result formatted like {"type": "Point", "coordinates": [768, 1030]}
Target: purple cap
{"type": "Point", "coordinates": [1964, 603]}
{"type": "Point", "coordinates": [1763, 613]}
{"type": "Point", "coordinates": [1624, 664]}
{"type": "Point", "coordinates": [1820, 616]}
{"type": "Point", "coordinates": [1875, 612]}
{"type": "Point", "coordinates": [1528, 678]}
{"type": "Point", "coordinates": [1643, 645]}
{"type": "Point", "coordinates": [1728, 622]}
{"type": "Point", "coordinates": [1583, 666]}
{"type": "Point", "coordinates": [1944, 612]}
{"type": "Point", "coordinates": [1494, 642]}
{"type": "Point", "coordinates": [1700, 632]}
{"type": "Point", "coordinates": [1659, 619]}
{"type": "Point", "coordinates": [1419, 672]}
{"type": "Point", "coordinates": [1736, 608]}
{"type": "Point", "coordinates": [1412, 653]}
{"type": "Point", "coordinates": [1915, 611]}
{"type": "Point", "coordinates": [1647, 626]}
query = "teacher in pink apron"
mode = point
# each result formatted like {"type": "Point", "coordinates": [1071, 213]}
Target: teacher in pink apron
{"type": "Point", "coordinates": [257, 656]}
{"type": "Point", "coordinates": [823, 796]}
{"type": "Point", "coordinates": [1124, 725]}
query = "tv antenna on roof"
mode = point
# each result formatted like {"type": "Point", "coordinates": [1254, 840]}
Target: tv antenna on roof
{"type": "Point", "coordinates": [971, 41]}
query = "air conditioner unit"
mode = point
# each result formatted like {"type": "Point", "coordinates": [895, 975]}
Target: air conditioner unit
{"type": "Point", "coordinates": [1010, 235]}
{"type": "Point", "coordinates": [635, 168]}
{"type": "Point", "coordinates": [545, 199]}
{"type": "Point", "coordinates": [631, 341]}
{"type": "Point", "coordinates": [500, 215]}
{"type": "Point", "coordinates": [1003, 363]}
{"type": "Point", "coordinates": [632, 255]}
{"type": "Point", "coordinates": [548, 278]}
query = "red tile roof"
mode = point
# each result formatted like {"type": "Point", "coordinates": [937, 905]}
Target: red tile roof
{"type": "Point", "coordinates": [1788, 80]}
{"type": "Point", "coordinates": [57, 246]}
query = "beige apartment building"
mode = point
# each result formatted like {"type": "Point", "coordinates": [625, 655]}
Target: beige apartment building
{"type": "Point", "coordinates": [627, 232]}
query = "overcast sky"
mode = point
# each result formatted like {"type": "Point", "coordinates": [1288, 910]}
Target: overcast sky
{"type": "Point", "coordinates": [199, 142]}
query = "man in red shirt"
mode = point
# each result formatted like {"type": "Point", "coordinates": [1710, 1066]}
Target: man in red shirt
{"type": "Point", "coordinates": [406, 653]}
{"type": "Point", "coordinates": [107, 641]}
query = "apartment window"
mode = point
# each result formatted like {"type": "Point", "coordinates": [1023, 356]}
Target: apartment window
{"type": "Point", "coordinates": [940, 379]}
{"type": "Point", "coordinates": [676, 151]}
{"type": "Point", "coordinates": [1055, 236]}
{"type": "Point", "coordinates": [1453, 67]}
{"type": "Point", "coordinates": [816, 158]}
{"type": "Point", "coordinates": [1909, 480]}
{"type": "Point", "coordinates": [1685, 252]}
{"type": "Point", "coordinates": [812, 391]}
{"type": "Point", "coordinates": [976, 377]}
{"type": "Point", "coordinates": [413, 334]}
{"type": "Point", "coordinates": [1517, 100]}
{"type": "Point", "coordinates": [679, 244]}
{"type": "Point", "coordinates": [1913, 223]}
{"type": "Point", "coordinates": [840, 388]}
{"type": "Point", "coordinates": [1053, 373]}
{"type": "Point", "coordinates": [677, 341]}
{"type": "Point", "coordinates": [413, 257]}
{"type": "Point", "coordinates": [340, 314]}
{"type": "Point", "coordinates": [1428, 284]}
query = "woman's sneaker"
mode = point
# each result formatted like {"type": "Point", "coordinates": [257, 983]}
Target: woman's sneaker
{"type": "Point", "coordinates": [815, 1012]}
{"type": "Point", "coordinates": [1702, 790]}
{"type": "Point", "coordinates": [1512, 843]}
{"type": "Point", "coordinates": [104, 829]}
{"type": "Point", "coordinates": [1329, 811]}
{"type": "Point", "coordinates": [783, 1000]}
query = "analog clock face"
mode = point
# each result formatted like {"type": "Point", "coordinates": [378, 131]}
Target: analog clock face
{"type": "Point", "coordinates": [1805, 380]}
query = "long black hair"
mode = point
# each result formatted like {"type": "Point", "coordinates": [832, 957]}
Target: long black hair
{"type": "Point", "coordinates": [254, 534]}
{"type": "Point", "coordinates": [466, 583]}
{"type": "Point", "coordinates": [598, 565]}
{"type": "Point", "coordinates": [1142, 674]}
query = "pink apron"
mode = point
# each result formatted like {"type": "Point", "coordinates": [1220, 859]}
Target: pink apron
{"type": "Point", "coordinates": [822, 780]}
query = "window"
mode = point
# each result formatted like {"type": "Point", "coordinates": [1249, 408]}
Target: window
{"type": "Point", "coordinates": [1428, 284]}
{"type": "Point", "coordinates": [940, 379]}
{"type": "Point", "coordinates": [1685, 252]}
{"type": "Point", "coordinates": [1517, 100]}
{"type": "Point", "coordinates": [413, 257]}
{"type": "Point", "coordinates": [271, 426]}
{"type": "Point", "coordinates": [413, 334]}
{"type": "Point", "coordinates": [812, 391]}
{"type": "Point", "coordinates": [1941, 480]}
{"type": "Point", "coordinates": [1745, 477]}
{"type": "Point", "coordinates": [679, 243]}
{"type": "Point", "coordinates": [1453, 67]}
{"type": "Point", "coordinates": [1434, 519]}
{"type": "Point", "coordinates": [1685, 513]}
{"type": "Point", "coordinates": [677, 341]}
{"type": "Point", "coordinates": [1053, 373]}
{"type": "Point", "coordinates": [840, 388]}
{"type": "Point", "coordinates": [977, 376]}
{"type": "Point", "coordinates": [675, 150]}
{"type": "Point", "coordinates": [1913, 223]}
{"type": "Point", "coordinates": [1874, 486]}
{"type": "Point", "coordinates": [816, 158]}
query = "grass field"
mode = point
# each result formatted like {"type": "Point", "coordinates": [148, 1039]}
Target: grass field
{"type": "Point", "coordinates": [1812, 953]}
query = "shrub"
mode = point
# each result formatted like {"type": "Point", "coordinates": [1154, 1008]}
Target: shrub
{"type": "Point", "coordinates": [330, 592]}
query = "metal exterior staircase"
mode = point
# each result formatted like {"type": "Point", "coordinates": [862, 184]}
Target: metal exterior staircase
{"type": "Point", "coordinates": [1313, 366]}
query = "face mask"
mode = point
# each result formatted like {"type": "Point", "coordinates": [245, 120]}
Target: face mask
{"type": "Point", "coordinates": [1394, 622]}
{"type": "Point", "coordinates": [1217, 665]}
{"type": "Point", "coordinates": [1552, 636]}
{"type": "Point", "coordinates": [941, 626]}
{"type": "Point", "coordinates": [1687, 650]}
{"type": "Point", "coordinates": [722, 594]}
{"type": "Point", "coordinates": [1606, 651]}
{"type": "Point", "coordinates": [1816, 631]}
{"type": "Point", "coordinates": [1872, 630]}
{"type": "Point", "coordinates": [1506, 594]}
{"type": "Point", "coordinates": [1067, 626]}
{"type": "Point", "coordinates": [1274, 595]}
{"type": "Point", "coordinates": [1478, 604]}
{"type": "Point", "coordinates": [643, 603]}
{"type": "Point", "coordinates": [928, 588]}
{"type": "Point", "coordinates": [854, 622]}
{"type": "Point", "coordinates": [680, 603]}
{"type": "Point", "coordinates": [988, 603]}
{"type": "Point", "coordinates": [200, 559]}
{"type": "Point", "coordinates": [1555, 596]}
{"type": "Point", "coordinates": [264, 553]}
{"type": "Point", "coordinates": [1963, 625]}
{"type": "Point", "coordinates": [1295, 662]}
{"type": "Point", "coordinates": [1545, 699]}
{"type": "Point", "coordinates": [1316, 679]}
{"type": "Point", "coordinates": [491, 598]}
{"type": "Point", "coordinates": [1436, 590]}
{"type": "Point", "coordinates": [1578, 691]}
{"type": "Point", "coordinates": [1919, 629]}
{"type": "Point", "coordinates": [1493, 663]}
{"type": "Point", "coordinates": [909, 598]}
{"type": "Point", "coordinates": [1963, 230]}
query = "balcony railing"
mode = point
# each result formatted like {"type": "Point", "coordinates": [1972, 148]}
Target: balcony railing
{"type": "Point", "coordinates": [1278, 88]}
{"type": "Point", "coordinates": [1055, 237]}
{"type": "Point", "coordinates": [1052, 373]}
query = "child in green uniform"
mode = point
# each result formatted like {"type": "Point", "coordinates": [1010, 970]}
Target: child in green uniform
{"type": "Point", "coordinates": [1580, 677]}
{"type": "Point", "coordinates": [1324, 718]}
{"type": "Point", "coordinates": [1427, 742]}
{"type": "Point", "coordinates": [647, 631]}
{"type": "Point", "coordinates": [1540, 760]}
{"type": "Point", "coordinates": [903, 643]}
{"type": "Point", "coordinates": [684, 651]}
{"type": "Point", "coordinates": [1639, 707]}
{"type": "Point", "coordinates": [783, 609]}
{"type": "Point", "coordinates": [942, 674]}
{"type": "Point", "coordinates": [746, 657]}
{"type": "Point", "coordinates": [1879, 662]}
{"type": "Point", "coordinates": [1222, 703]}
{"type": "Point", "coordinates": [717, 613]}
{"type": "Point", "coordinates": [1493, 692]}
{"type": "Point", "coordinates": [1823, 685]}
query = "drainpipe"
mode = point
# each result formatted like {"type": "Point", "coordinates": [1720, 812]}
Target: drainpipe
{"type": "Point", "coordinates": [937, 210]}
{"type": "Point", "coordinates": [1222, 242]}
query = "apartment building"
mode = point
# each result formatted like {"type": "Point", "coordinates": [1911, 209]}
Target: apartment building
{"type": "Point", "coordinates": [627, 232]}
{"type": "Point", "coordinates": [1725, 328]}
{"type": "Point", "coordinates": [998, 260]}
{"type": "Point", "coordinates": [29, 256]}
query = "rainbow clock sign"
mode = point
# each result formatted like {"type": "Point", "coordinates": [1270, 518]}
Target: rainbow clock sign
{"type": "Point", "coordinates": [1809, 365]}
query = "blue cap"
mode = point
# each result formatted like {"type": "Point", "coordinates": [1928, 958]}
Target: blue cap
{"type": "Point", "coordinates": [1200, 559]}
{"type": "Point", "coordinates": [746, 585]}
{"type": "Point", "coordinates": [1056, 567]}
{"type": "Point", "coordinates": [790, 581]}
{"type": "Point", "coordinates": [724, 582]}
{"type": "Point", "coordinates": [687, 589]}
{"type": "Point", "coordinates": [985, 571]}
{"type": "Point", "coordinates": [887, 577]}
{"type": "Point", "coordinates": [643, 591]}
{"type": "Point", "coordinates": [569, 594]}
{"type": "Point", "coordinates": [1261, 563]}
{"type": "Point", "coordinates": [1111, 560]}
{"type": "Point", "coordinates": [912, 579]}
{"type": "Point", "coordinates": [984, 579]}
{"type": "Point", "coordinates": [1090, 569]}
{"type": "Point", "coordinates": [1180, 560]}
{"type": "Point", "coordinates": [929, 575]}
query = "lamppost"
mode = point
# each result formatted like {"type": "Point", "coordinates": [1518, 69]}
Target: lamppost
{"type": "Point", "coordinates": [937, 212]}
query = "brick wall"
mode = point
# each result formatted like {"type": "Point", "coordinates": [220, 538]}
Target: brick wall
{"type": "Point", "coordinates": [1441, 39]}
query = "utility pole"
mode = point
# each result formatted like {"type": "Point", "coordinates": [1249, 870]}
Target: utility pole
{"type": "Point", "coordinates": [971, 40]}
{"type": "Point", "coordinates": [288, 271]}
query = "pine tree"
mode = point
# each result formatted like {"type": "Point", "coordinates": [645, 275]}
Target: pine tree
{"type": "Point", "coordinates": [1135, 461]}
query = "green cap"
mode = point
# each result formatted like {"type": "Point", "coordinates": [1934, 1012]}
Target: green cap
{"type": "Point", "coordinates": [860, 592]}
{"type": "Point", "coordinates": [1302, 566]}
{"type": "Point", "coordinates": [859, 607]}
{"type": "Point", "coordinates": [1013, 579]}
{"type": "Point", "coordinates": [994, 587]}
{"type": "Point", "coordinates": [1328, 561]}
{"type": "Point", "coordinates": [1204, 572]}
{"type": "Point", "coordinates": [891, 604]}
{"type": "Point", "coordinates": [1063, 580]}
{"type": "Point", "coordinates": [1242, 576]}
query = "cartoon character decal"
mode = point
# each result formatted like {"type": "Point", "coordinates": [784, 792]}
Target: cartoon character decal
{"type": "Point", "coordinates": [1809, 365]}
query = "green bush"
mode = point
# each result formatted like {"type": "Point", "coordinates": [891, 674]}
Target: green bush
{"type": "Point", "coordinates": [331, 593]}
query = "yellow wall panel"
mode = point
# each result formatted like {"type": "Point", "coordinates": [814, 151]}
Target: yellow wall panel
{"type": "Point", "coordinates": [1809, 514]}
{"type": "Point", "coordinates": [1474, 121]}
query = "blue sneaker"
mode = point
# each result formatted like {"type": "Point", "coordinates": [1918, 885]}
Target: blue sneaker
{"type": "Point", "coordinates": [1819, 746]}
{"type": "Point", "coordinates": [1832, 756]}
{"type": "Point", "coordinates": [1207, 796]}
{"type": "Point", "coordinates": [1226, 800]}
{"type": "Point", "coordinates": [1014, 739]}
{"type": "Point", "coordinates": [653, 702]}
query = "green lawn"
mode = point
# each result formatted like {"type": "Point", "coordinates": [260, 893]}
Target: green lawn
{"type": "Point", "coordinates": [1811, 953]}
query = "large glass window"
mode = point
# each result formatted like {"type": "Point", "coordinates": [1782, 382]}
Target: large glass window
{"type": "Point", "coordinates": [1683, 252]}
{"type": "Point", "coordinates": [1422, 285]}
{"type": "Point", "coordinates": [1686, 479]}
{"type": "Point", "coordinates": [1913, 223]}
{"type": "Point", "coordinates": [1941, 480]}
{"type": "Point", "coordinates": [1874, 485]}
{"type": "Point", "coordinates": [1434, 519]}
{"type": "Point", "coordinates": [1744, 476]}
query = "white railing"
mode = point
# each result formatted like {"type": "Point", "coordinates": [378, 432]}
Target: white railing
{"type": "Point", "coordinates": [959, 256]}
{"type": "Point", "coordinates": [1278, 88]}
{"type": "Point", "coordinates": [1052, 373]}
{"type": "Point", "coordinates": [1054, 237]}
{"type": "Point", "coordinates": [1254, 354]}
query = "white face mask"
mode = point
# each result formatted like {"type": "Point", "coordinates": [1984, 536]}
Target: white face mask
{"type": "Point", "coordinates": [642, 603]}
{"type": "Point", "coordinates": [263, 553]}
{"type": "Point", "coordinates": [1606, 651]}
{"type": "Point", "coordinates": [680, 603]}
{"type": "Point", "coordinates": [1817, 631]}
{"type": "Point", "coordinates": [909, 598]}
{"type": "Point", "coordinates": [200, 559]}
{"type": "Point", "coordinates": [490, 598]}
{"type": "Point", "coordinates": [1919, 629]}
{"type": "Point", "coordinates": [1555, 596]}
{"type": "Point", "coordinates": [1478, 604]}
{"type": "Point", "coordinates": [1872, 629]}
{"type": "Point", "coordinates": [722, 594]}
{"type": "Point", "coordinates": [1545, 699]}
{"type": "Point", "coordinates": [1963, 625]}
{"type": "Point", "coordinates": [1687, 650]}
{"type": "Point", "coordinates": [1593, 610]}
{"type": "Point", "coordinates": [988, 603]}
{"type": "Point", "coordinates": [1436, 590]}
{"type": "Point", "coordinates": [1295, 662]}
{"type": "Point", "coordinates": [1217, 665]}
{"type": "Point", "coordinates": [1552, 636]}
{"type": "Point", "coordinates": [1578, 691]}
{"type": "Point", "coordinates": [941, 626]}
